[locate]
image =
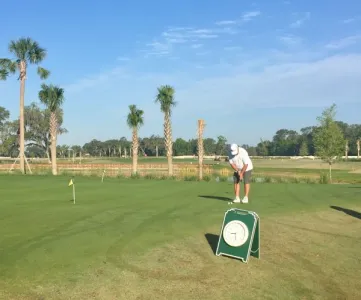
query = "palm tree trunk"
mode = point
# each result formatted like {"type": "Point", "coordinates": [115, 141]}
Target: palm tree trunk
{"type": "Point", "coordinates": [200, 148]}
{"type": "Point", "coordinates": [135, 150]}
{"type": "Point", "coordinates": [168, 141]}
{"type": "Point", "coordinates": [53, 133]}
{"type": "Point", "coordinates": [21, 121]}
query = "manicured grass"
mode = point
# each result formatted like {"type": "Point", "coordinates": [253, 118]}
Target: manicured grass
{"type": "Point", "coordinates": [144, 239]}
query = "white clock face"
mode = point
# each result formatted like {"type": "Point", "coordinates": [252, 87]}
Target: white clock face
{"type": "Point", "coordinates": [235, 233]}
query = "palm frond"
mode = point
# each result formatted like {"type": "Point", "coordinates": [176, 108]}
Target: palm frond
{"type": "Point", "coordinates": [43, 73]}
{"type": "Point", "coordinates": [135, 117]}
{"type": "Point", "coordinates": [52, 96]}
{"type": "Point", "coordinates": [165, 97]}
{"type": "Point", "coordinates": [28, 50]}
{"type": "Point", "coordinates": [3, 74]}
{"type": "Point", "coordinates": [4, 62]}
{"type": "Point", "coordinates": [36, 54]}
{"type": "Point", "coordinates": [8, 65]}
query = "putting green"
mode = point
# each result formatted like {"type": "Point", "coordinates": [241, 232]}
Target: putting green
{"type": "Point", "coordinates": [145, 239]}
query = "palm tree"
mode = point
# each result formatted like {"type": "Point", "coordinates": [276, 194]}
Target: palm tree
{"type": "Point", "coordinates": [200, 148]}
{"type": "Point", "coordinates": [26, 51]}
{"type": "Point", "coordinates": [134, 121]}
{"type": "Point", "coordinates": [165, 97]}
{"type": "Point", "coordinates": [53, 97]}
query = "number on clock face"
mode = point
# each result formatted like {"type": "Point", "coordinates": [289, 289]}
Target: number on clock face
{"type": "Point", "coordinates": [235, 233]}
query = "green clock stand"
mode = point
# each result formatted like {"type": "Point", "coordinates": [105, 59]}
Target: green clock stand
{"type": "Point", "coordinates": [240, 235]}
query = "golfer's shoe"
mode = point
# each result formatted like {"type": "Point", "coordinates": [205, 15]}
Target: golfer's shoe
{"type": "Point", "coordinates": [237, 200]}
{"type": "Point", "coordinates": [245, 200]}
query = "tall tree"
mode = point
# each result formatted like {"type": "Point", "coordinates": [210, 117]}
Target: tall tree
{"type": "Point", "coordinates": [4, 115]}
{"type": "Point", "coordinates": [26, 51]}
{"type": "Point", "coordinates": [221, 145]}
{"type": "Point", "coordinates": [263, 148]}
{"type": "Point", "coordinates": [8, 141]}
{"type": "Point", "coordinates": [303, 149]}
{"type": "Point", "coordinates": [134, 121]}
{"type": "Point", "coordinates": [165, 97]}
{"type": "Point", "coordinates": [328, 138]}
{"type": "Point", "coordinates": [37, 127]}
{"type": "Point", "coordinates": [53, 97]}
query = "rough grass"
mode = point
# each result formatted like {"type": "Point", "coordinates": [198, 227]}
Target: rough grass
{"type": "Point", "coordinates": [145, 239]}
{"type": "Point", "coordinates": [343, 171]}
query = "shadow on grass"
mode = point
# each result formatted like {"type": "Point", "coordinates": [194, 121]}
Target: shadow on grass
{"type": "Point", "coordinates": [216, 197]}
{"type": "Point", "coordinates": [212, 240]}
{"type": "Point", "coordinates": [347, 211]}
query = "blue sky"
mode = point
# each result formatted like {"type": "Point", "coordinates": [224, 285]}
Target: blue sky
{"type": "Point", "coordinates": [247, 68]}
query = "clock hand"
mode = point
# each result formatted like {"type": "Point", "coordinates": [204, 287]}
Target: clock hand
{"type": "Point", "coordinates": [235, 233]}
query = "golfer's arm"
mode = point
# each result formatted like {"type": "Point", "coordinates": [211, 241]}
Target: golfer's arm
{"type": "Point", "coordinates": [244, 169]}
{"type": "Point", "coordinates": [234, 167]}
{"type": "Point", "coordinates": [245, 164]}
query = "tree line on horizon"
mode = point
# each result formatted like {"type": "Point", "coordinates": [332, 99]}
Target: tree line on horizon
{"type": "Point", "coordinates": [285, 142]}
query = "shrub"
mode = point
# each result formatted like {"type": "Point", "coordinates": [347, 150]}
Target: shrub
{"type": "Point", "coordinates": [324, 178]}
{"type": "Point", "coordinates": [207, 178]}
{"type": "Point", "coordinates": [150, 176]}
{"type": "Point", "coordinates": [135, 176]}
{"type": "Point", "coordinates": [190, 178]}
{"type": "Point", "coordinates": [121, 176]}
{"type": "Point", "coordinates": [163, 177]}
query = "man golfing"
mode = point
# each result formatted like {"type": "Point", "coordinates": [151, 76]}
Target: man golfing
{"type": "Point", "coordinates": [242, 165]}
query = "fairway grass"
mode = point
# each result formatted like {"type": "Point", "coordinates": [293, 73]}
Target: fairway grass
{"type": "Point", "coordinates": [144, 239]}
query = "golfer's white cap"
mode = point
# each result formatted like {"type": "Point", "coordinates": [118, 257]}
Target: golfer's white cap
{"type": "Point", "coordinates": [234, 149]}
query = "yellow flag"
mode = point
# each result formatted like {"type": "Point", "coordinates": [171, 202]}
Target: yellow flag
{"type": "Point", "coordinates": [71, 182]}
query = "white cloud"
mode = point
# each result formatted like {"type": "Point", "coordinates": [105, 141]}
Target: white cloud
{"type": "Point", "coordinates": [187, 34]}
{"type": "Point", "coordinates": [163, 45]}
{"type": "Point", "coordinates": [158, 49]}
{"type": "Point", "coordinates": [301, 20]}
{"type": "Point", "coordinates": [226, 22]}
{"type": "Point", "coordinates": [248, 16]}
{"type": "Point", "coordinates": [245, 17]}
{"type": "Point", "coordinates": [350, 20]}
{"type": "Point", "coordinates": [196, 46]}
{"type": "Point", "coordinates": [290, 40]}
{"type": "Point", "coordinates": [344, 43]}
{"type": "Point", "coordinates": [232, 48]}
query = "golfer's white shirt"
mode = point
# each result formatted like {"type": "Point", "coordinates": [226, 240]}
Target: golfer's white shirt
{"type": "Point", "coordinates": [241, 159]}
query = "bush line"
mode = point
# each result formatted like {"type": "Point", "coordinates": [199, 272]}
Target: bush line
{"type": "Point", "coordinates": [323, 177]}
